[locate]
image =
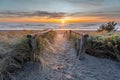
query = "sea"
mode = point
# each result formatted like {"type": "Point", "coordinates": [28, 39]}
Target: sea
{"type": "Point", "coordinates": [56, 26]}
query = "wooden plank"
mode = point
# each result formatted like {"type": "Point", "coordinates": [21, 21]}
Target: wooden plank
{"type": "Point", "coordinates": [70, 33]}
{"type": "Point", "coordinates": [82, 46]}
{"type": "Point", "coordinates": [78, 47]}
{"type": "Point", "coordinates": [81, 43]}
{"type": "Point", "coordinates": [46, 31]}
{"type": "Point", "coordinates": [33, 43]}
{"type": "Point", "coordinates": [76, 32]}
{"type": "Point", "coordinates": [65, 33]}
{"type": "Point", "coordinates": [38, 33]}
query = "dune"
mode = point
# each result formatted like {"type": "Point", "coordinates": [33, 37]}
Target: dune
{"type": "Point", "coordinates": [65, 66]}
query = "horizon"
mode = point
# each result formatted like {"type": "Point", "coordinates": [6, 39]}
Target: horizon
{"type": "Point", "coordinates": [67, 11]}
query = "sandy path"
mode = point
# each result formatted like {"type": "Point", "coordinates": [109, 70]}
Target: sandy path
{"type": "Point", "coordinates": [65, 66]}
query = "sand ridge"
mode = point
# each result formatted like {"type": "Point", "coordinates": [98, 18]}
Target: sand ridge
{"type": "Point", "coordinates": [65, 66]}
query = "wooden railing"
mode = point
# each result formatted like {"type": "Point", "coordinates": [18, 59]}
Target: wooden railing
{"type": "Point", "coordinates": [38, 33]}
{"type": "Point", "coordinates": [32, 38]}
{"type": "Point", "coordinates": [81, 43]}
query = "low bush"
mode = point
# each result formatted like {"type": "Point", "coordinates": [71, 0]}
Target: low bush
{"type": "Point", "coordinates": [107, 46]}
{"type": "Point", "coordinates": [104, 46]}
{"type": "Point", "coordinates": [110, 26]}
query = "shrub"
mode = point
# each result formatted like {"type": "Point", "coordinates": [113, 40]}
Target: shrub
{"type": "Point", "coordinates": [104, 46]}
{"type": "Point", "coordinates": [110, 26]}
{"type": "Point", "coordinates": [101, 46]}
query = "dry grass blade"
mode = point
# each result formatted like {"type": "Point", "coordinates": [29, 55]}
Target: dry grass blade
{"type": "Point", "coordinates": [22, 51]}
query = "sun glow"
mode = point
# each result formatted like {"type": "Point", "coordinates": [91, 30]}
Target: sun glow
{"type": "Point", "coordinates": [62, 21]}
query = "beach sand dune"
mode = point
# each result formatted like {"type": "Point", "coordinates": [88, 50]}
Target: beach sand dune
{"type": "Point", "coordinates": [65, 66]}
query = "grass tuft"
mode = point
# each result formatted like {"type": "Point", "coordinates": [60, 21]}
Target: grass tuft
{"type": "Point", "coordinates": [22, 51]}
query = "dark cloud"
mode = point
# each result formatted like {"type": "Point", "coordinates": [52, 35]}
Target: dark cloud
{"type": "Point", "coordinates": [48, 14]}
{"type": "Point", "coordinates": [109, 13]}
{"type": "Point", "coordinates": [106, 13]}
{"type": "Point", "coordinates": [33, 14]}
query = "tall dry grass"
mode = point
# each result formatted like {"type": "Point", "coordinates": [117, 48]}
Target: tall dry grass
{"type": "Point", "coordinates": [16, 50]}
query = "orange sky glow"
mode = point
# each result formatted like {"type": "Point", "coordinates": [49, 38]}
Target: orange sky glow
{"type": "Point", "coordinates": [57, 20]}
{"type": "Point", "coordinates": [59, 10]}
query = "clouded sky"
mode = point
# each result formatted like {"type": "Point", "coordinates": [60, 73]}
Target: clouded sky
{"type": "Point", "coordinates": [72, 10]}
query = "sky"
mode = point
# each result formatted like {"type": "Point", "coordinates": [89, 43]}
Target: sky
{"type": "Point", "coordinates": [57, 10]}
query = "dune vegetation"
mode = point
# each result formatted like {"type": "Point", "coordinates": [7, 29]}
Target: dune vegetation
{"type": "Point", "coordinates": [104, 46]}
{"type": "Point", "coordinates": [104, 43]}
{"type": "Point", "coordinates": [16, 50]}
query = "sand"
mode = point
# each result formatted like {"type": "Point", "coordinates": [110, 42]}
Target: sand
{"type": "Point", "coordinates": [65, 66]}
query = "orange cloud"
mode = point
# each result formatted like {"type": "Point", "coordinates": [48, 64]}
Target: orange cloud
{"type": "Point", "coordinates": [44, 16]}
{"type": "Point", "coordinates": [58, 20]}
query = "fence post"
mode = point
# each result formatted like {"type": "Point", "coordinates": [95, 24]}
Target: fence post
{"type": "Point", "coordinates": [78, 47]}
{"type": "Point", "coordinates": [70, 34]}
{"type": "Point", "coordinates": [82, 46]}
{"type": "Point", "coordinates": [65, 33]}
{"type": "Point", "coordinates": [33, 44]}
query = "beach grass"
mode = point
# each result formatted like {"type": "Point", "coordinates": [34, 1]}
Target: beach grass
{"type": "Point", "coordinates": [100, 44]}
{"type": "Point", "coordinates": [16, 50]}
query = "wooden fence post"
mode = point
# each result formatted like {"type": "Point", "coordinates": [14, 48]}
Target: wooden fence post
{"type": "Point", "coordinates": [82, 46]}
{"type": "Point", "coordinates": [78, 47]}
{"type": "Point", "coordinates": [65, 33]}
{"type": "Point", "coordinates": [33, 44]}
{"type": "Point", "coordinates": [70, 34]}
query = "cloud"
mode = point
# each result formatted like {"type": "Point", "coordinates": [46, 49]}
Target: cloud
{"type": "Point", "coordinates": [109, 13]}
{"type": "Point", "coordinates": [105, 13]}
{"type": "Point", "coordinates": [44, 14]}
{"type": "Point", "coordinates": [48, 14]}
{"type": "Point", "coordinates": [86, 3]}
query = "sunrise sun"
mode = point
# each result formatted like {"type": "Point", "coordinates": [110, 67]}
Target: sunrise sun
{"type": "Point", "coordinates": [62, 21]}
